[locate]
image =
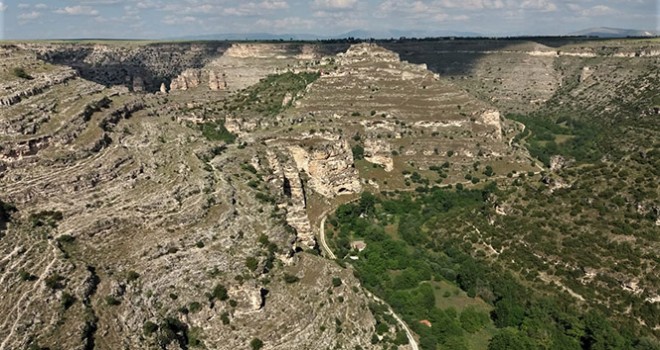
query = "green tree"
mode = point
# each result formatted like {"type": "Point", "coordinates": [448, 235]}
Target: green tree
{"type": "Point", "coordinates": [256, 344]}
{"type": "Point", "coordinates": [510, 339]}
{"type": "Point", "coordinates": [358, 152]}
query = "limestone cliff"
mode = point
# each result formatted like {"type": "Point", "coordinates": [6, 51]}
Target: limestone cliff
{"type": "Point", "coordinates": [329, 164]}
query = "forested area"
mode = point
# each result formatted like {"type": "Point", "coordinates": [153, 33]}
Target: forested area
{"type": "Point", "coordinates": [417, 242]}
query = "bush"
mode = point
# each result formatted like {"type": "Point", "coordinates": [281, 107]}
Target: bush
{"type": "Point", "coordinates": [132, 276]}
{"type": "Point", "coordinates": [149, 328]}
{"type": "Point", "coordinates": [358, 152]}
{"type": "Point", "coordinates": [112, 301]}
{"type": "Point", "coordinates": [46, 218]}
{"type": "Point", "coordinates": [26, 276]}
{"type": "Point", "coordinates": [251, 263]}
{"type": "Point", "coordinates": [256, 344]}
{"type": "Point", "coordinates": [66, 239]}
{"type": "Point", "coordinates": [336, 282]}
{"type": "Point", "coordinates": [54, 281]}
{"type": "Point", "coordinates": [290, 278]}
{"type": "Point", "coordinates": [225, 318]}
{"type": "Point", "coordinates": [21, 73]}
{"type": "Point", "coordinates": [67, 300]}
{"type": "Point", "coordinates": [194, 307]}
{"type": "Point", "coordinates": [220, 292]}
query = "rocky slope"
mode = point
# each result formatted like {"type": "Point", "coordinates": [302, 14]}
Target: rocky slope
{"type": "Point", "coordinates": [134, 231]}
{"type": "Point", "coordinates": [143, 223]}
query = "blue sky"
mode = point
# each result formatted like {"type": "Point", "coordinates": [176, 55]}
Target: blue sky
{"type": "Point", "coordinates": [43, 19]}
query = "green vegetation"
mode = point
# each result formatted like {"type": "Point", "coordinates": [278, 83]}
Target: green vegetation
{"type": "Point", "coordinates": [54, 281]}
{"type": "Point", "coordinates": [132, 276]}
{"type": "Point", "coordinates": [216, 131]}
{"type": "Point", "coordinates": [358, 152]}
{"type": "Point", "coordinates": [194, 307]}
{"type": "Point", "coordinates": [336, 282]}
{"type": "Point", "coordinates": [256, 344]}
{"type": "Point", "coordinates": [26, 276]}
{"type": "Point", "coordinates": [67, 300]}
{"type": "Point", "coordinates": [149, 328]}
{"type": "Point", "coordinates": [545, 137]}
{"type": "Point", "coordinates": [404, 266]}
{"type": "Point", "coordinates": [46, 218]}
{"type": "Point", "coordinates": [251, 263]}
{"type": "Point", "coordinates": [173, 330]}
{"type": "Point", "coordinates": [219, 292]}
{"type": "Point", "coordinates": [290, 278]}
{"type": "Point", "coordinates": [112, 301]}
{"type": "Point", "coordinates": [66, 239]}
{"type": "Point", "coordinates": [268, 96]}
{"type": "Point", "coordinates": [21, 73]}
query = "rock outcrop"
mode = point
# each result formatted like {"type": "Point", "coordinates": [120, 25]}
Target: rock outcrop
{"type": "Point", "coordinates": [329, 165]}
{"type": "Point", "coordinates": [379, 152]}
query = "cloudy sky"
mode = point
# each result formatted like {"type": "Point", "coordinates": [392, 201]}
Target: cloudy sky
{"type": "Point", "coordinates": [29, 19]}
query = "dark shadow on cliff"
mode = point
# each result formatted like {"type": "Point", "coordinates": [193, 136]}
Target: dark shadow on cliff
{"type": "Point", "coordinates": [120, 65]}
{"type": "Point", "coordinates": [455, 57]}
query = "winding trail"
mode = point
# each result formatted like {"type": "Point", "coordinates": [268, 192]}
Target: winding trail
{"type": "Point", "coordinates": [329, 254]}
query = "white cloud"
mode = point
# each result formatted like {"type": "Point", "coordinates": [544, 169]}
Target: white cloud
{"type": "Point", "coordinates": [598, 10]}
{"type": "Point", "coordinates": [336, 4]}
{"type": "Point", "coordinates": [539, 5]}
{"type": "Point", "coordinates": [29, 16]}
{"type": "Point", "coordinates": [78, 11]}
{"type": "Point", "coordinates": [177, 20]}
{"type": "Point", "coordinates": [273, 5]}
{"type": "Point", "coordinates": [255, 8]}
{"type": "Point", "coordinates": [289, 23]}
{"type": "Point", "coordinates": [3, 7]}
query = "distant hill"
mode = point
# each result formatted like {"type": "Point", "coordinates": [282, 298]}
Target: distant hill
{"type": "Point", "coordinates": [358, 34]}
{"type": "Point", "coordinates": [387, 34]}
{"type": "Point", "coordinates": [606, 32]}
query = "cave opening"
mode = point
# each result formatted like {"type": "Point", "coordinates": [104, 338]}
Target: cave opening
{"type": "Point", "coordinates": [286, 187]}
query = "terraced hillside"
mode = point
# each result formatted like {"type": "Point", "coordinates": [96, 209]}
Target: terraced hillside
{"type": "Point", "coordinates": [170, 195]}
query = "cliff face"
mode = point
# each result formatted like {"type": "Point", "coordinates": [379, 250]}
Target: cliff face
{"type": "Point", "coordinates": [145, 67]}
{"type": "Point", "coordinates": [140, 65]}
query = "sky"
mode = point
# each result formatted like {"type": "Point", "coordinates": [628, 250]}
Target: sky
{"type": "Point", "coordinates": [157, 19]}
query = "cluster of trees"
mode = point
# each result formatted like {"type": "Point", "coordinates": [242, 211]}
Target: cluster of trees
{"type": "Point", "coordinates": [584, 141]}
{"type": "Point", "coordinates": [402, 267]}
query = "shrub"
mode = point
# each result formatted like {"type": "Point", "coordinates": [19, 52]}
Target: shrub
{"type": "Point", "coordinates": [21, 73]}
{"type": "Point", "coordinates": [194, 307]}
{"type": "Point", "coordinates": [336, 282]}
{"type": "Point", "coordinates": [26, 276]}
{"type": "Point", "coordinates": [358, 152]}
{"type": "Point", "coordinates": [54, 281]}
{"type": "Point", "coordinates": [132, 276]}
{"type": "Point", "coordinates": [220, 292]}
{"type": "Point", "coordinates": [256, 344]}
{"type": "Point", "coordinates": [225, 318]}
{"type": "Point", "coordinates": [67, 300]}
{"type": "Point", "coordinates": [112, 301]}
{"type": "Point", "coordinates": [66, 239]}
{"type": "Point", "coordinates": [149, 328]}
{"type": "Point", "coordinates": [290, 278]}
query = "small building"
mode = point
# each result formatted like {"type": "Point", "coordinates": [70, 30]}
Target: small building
{"type": "Point", "coordinates": [358, 245]}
